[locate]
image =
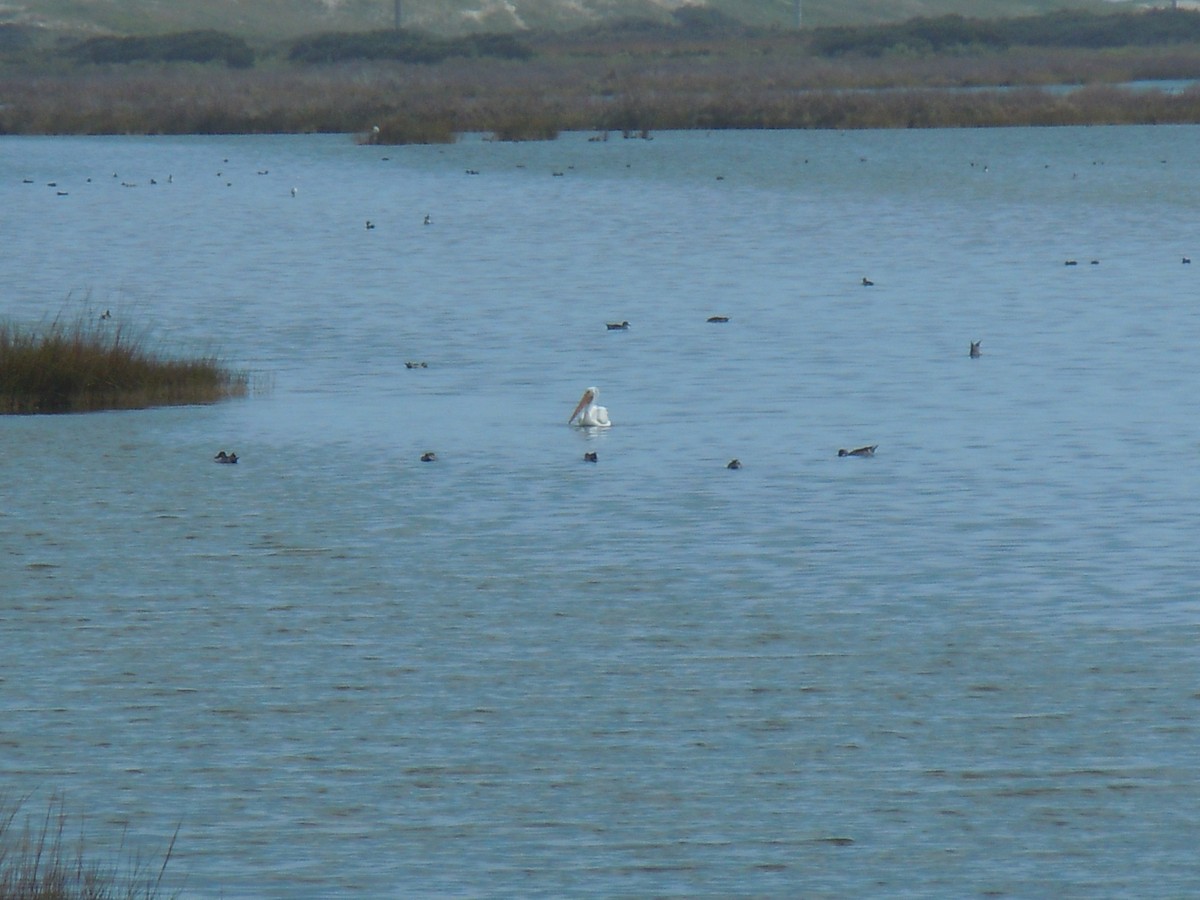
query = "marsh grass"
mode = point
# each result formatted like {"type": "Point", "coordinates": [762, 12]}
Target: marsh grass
{"type": "Point", "coordinates": [409, 128]}
{"type": "Point", "coordinates": [539, 98]}
{"type": "Point", "coordinates": [39, 862]}
{"type": "Point", "coordinates": [632, 80]}
{"type": "Point", "coordinates": [87, 365]}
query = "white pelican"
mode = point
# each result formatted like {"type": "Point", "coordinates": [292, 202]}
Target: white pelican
{"type": "Point", "coordinates": [593, 415]}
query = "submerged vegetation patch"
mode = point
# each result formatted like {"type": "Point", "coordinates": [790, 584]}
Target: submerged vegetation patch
{"type": "Point", "coordinates": [88, 366]}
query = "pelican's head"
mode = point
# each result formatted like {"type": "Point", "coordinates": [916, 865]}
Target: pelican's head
{"type": "Point", "coordinates": [588, 398]}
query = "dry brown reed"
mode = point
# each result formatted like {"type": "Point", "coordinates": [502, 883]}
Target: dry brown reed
{"type": "Point", "coordinates": [90, 365]}
{"type": "Point", "coordinates": [771, 85]}
{"type": "Point", "coordinates": [36, 862]}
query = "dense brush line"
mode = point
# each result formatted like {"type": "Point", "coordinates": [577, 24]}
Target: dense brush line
{"type": "Point", "coordinates": [415, 88]}
{"type": "Point", "coordinates": [477, 97]}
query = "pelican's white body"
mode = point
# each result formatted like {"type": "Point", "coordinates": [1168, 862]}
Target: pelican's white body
{"type": "Point", "coordinates": [590, 415]}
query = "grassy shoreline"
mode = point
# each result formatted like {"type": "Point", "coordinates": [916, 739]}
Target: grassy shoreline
{"type": "Point", "coordinates": [494, 98]}
{"type": "Point", "coordinates": [87, 366]}
{"type": "Point", "coordinates": [947, 72]}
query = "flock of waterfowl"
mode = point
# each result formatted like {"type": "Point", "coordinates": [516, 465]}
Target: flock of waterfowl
{"type": "Point", "coordinates": [589, 414]}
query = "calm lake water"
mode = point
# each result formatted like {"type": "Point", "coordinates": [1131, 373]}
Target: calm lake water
{"type": "Point", "coordinates": [966, 666]}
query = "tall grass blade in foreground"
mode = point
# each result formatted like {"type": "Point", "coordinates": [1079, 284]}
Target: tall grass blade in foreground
{"type": "Point", "coordinates": [37, 864]}
{"type": "Point", "coordinates": [88, 366]}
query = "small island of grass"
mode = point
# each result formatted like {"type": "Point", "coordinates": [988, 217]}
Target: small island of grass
{"type": "Point", "coordinates": [92, 366]}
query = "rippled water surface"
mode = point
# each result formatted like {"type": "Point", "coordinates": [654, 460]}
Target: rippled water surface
{"type": "Point", "coordinates": [967, 665]}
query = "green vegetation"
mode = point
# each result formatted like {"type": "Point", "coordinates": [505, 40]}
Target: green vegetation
{"type": "Point", "coordinates": [402, 46]}
{"type": "Point", "coordinates": [36, 864]}
{"type": "Point", "coordinates": [270, 21]}
{"type": "Point", "coordinates": [94, 365]}
{"type": "Point", "coordinates": [190, 46]}
{"type": "Point", "coordinates": [1161, 27]}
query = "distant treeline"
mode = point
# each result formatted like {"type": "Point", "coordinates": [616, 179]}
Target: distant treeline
{"type": "Point", "coordinates": [951, 33]}
{"type": "Point", "coordinates": [403, 46]}
{"type": "Point", "coordinates": [629, 79]}
{"type": "Point", "coordinates": [186, 46]}
{"type": "Point", "coordinates": [334, 47]}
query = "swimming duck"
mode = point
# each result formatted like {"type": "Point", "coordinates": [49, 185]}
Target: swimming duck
{"type": "Point", "coordinates": [734, 464]}
{"type": "Point", "coordinates": [429, 456]}
{"type": "Point", "coordinates": [618, 326]}
{"type": "Point", "coordinates": [975, 352]}
{"type": "Point", "coordinates": [867, 282]}
{"type": "Point", "coordinates": [718, 318]}
{"type": "Point", "coordinates": [860, 451]}
{"type": "Point", "coordinates": [590, 456]}
{"type": "Point", "coordinates": [416, 365]}
{"type": "Point", "coordinates": [224, 457]}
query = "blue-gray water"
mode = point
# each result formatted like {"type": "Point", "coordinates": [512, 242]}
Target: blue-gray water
{"type": "Point", "coordinates": [965, 666]}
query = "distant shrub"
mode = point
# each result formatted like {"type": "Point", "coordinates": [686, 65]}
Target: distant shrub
{"type": "Point", "coordinates": [15, 37]}
{"type": "Point", "coordinates": [1156, 27]}
{"type": "Point", "coordinates": [186, 46]}
{"type": "Point", "coordinates": [629, 30]}
{"type": "Point", "coordinates": [706, 21]}
{"type": "Point", "coordinates": [499, 46]}
{"type": "Point", "coordinates": [1059, 29]}
{"type": "Point", "coordinates": [402, 46]}
{"type": "Point", "coordinates": [919, 34]}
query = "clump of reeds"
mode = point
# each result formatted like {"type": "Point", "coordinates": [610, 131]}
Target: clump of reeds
{"type": "Point", "coordinates": [409, 128]}
{"type": "Point", "coordinates": [525, 125]}
{"type": "Point", "coordinates": [93, 365]}
{"type": "Point", "coordinates": [36, 863]}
